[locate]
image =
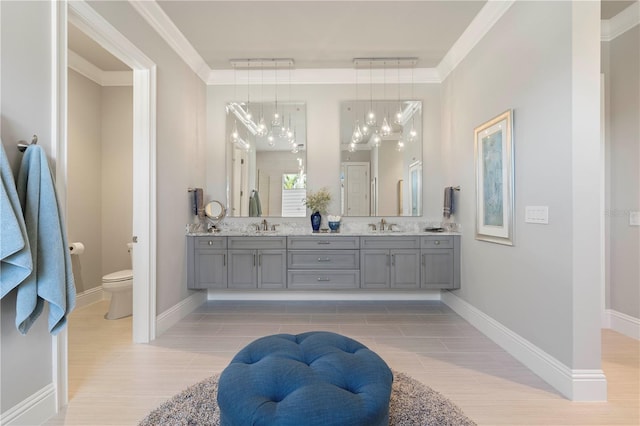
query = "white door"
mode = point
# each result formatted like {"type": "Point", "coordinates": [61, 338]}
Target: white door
{"type": "Point", "coordinates": [356, 182]}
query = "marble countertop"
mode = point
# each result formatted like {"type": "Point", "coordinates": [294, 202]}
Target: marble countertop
{"type": "Point", "coordinates": [318, 234]}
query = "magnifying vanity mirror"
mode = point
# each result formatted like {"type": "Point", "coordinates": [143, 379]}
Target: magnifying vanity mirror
{"type": "Point", "coordinates": [214, 211]}
{"type": "Point", "coordinates": [381, 158]}
{"type": "Point", "coordinates": [266, 159]}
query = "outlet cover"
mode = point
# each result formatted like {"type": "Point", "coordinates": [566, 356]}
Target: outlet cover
{"type": "Point", "coordinates": [634, 218]}
{"type": "Point", "coordinates": [537, 214]}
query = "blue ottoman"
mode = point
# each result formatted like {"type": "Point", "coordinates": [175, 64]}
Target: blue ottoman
{"type": "Point", "coordinates": [311, 379]}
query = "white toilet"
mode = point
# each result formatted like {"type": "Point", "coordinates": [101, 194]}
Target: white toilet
{"type": "Point", "coordinates": [120, 285]}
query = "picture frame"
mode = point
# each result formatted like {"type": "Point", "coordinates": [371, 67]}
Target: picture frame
{"type": "Point", "coordinates": [494, 164]}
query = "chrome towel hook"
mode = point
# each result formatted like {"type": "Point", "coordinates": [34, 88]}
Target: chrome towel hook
{"type": "Point", "coordinates": [22, 145]}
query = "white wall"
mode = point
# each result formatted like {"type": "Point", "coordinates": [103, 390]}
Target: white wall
{"type": "Point", "coordinates": [524, 63]}
{"type": "Point", "coordinates": [323, 144]}
{"type": "Point", "coordinates": [25, 107]}
{"type": "Point", "coordinates": [622, 73]}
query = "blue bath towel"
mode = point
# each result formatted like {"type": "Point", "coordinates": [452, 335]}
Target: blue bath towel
{"type": "Point", "coordinates": [52, 277]}
{"type": "Point", "coordinates": [15, 254]}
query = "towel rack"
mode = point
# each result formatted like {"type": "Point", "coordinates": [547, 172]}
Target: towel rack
{"type": "Point", "coordinates": [456, 188]}
{"type": "Point", "coordinates": [22, 145]}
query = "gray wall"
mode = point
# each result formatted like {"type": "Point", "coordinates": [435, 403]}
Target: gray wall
{"type": "Point", "coordinates": [25, 109]}
{"type": "Point", "coordinates": [100, 181]}
{"type": "Point", "coordinates": [181, 161]}
{"type": "Point", "coordinates": [523, 63]}
{"type": "Point", "coordinates": [621, 58]}
{"type": "Point", "coordinates": [84, 167]}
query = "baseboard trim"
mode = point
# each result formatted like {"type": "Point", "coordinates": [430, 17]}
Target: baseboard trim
{"type": "Point", "coordinates": [622, 323]}
{"type": "Point", "coordinates": [171, 316]}
{"type": "Point", "coordinates": [320, 295]}
{"type": "Point", "coordinates": [34, 410]}
{"type": "Point", "coordinates": [576, 385]}
{"type": "Point", "coordinates": [89, 297]}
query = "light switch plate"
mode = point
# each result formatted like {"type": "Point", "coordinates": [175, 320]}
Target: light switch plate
{"type": "Point", "coordinates": [634, 218]}
{"type": "Point", "coordinates": [537, 214]}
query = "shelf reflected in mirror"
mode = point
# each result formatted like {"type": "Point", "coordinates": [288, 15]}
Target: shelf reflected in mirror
{"type": "Point", "coordinates": [266, 166]}
{"type": "Point", "coordinates": [381, 168]}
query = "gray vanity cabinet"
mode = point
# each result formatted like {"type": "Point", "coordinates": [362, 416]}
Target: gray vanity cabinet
{"type": "Point", "coordinates": [440, 262]}
{"type": "Point", "coordinates": [207, 262]}
{"type": "Point", "coordinates": [257, 262]}
{"type": "Point", "coordinates": [390, 262]}
{"type": "Point", "coordinates": [323, 262]}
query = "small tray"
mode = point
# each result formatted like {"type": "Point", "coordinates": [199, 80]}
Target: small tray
{"type": "Point", "coordinates": [434, 229]}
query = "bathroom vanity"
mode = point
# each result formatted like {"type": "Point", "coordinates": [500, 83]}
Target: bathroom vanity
{"type": "Point", "coordinates": [390, 261]}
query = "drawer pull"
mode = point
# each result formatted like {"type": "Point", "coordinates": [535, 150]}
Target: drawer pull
{"type": "Point", "coordinates": [436, 242]}
{"type": "Point", "coordinates": [324, 242]}
{"type": "Point", "coordinates": [224, 260]}
{"type": "Point", "coordinates": [324, 279]}
{"type": "Point", "coordinates": [324, 259]}
{"type": "Point", "coordinates": [210, 242]}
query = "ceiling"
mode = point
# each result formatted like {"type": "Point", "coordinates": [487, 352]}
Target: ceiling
{"type": "Point", "coordinates": [316, 34]}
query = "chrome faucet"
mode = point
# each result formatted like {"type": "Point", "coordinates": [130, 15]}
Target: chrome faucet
{"type": "Point", "coordinates": [265, 225]}
{"type": "Point", "coordinates": [382, 224]}
{"type": "Point", "coordinates": [372, 226]}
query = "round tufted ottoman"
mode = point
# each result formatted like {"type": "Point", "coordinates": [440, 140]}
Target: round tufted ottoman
{"type": "Point", "coordinates": [310, 379]}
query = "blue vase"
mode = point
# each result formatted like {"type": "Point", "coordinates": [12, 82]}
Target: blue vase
{"type": "Point", "coordinates": [315, 221]}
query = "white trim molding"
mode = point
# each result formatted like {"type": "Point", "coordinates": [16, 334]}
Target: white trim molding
{"type": "Point", "coordinates": [89, 297]}
{"type": "Point", "coordinates": [95, 74]}
{"type": "Point", "coordinates": [621, 23]}
{"type": "Point", "coordinates": [577, 385]}
{"type": "Point", "coordinates": [622, 323]}
{"type": "Point", "coordinates": [171, 316]}
{"type": "Point", "coordinates": [34, 410]}
{"type": "Point", "coordinates": [164, 26]}
{"type": "Point", "coordinates": [477, 29]}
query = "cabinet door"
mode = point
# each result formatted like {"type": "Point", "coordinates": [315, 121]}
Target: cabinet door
{"type": "Point", "coordinates": [210, 269]}
{"type": "Point", "coordinates": [437, 268]}
{"type": "Point", "coordinates": [272, 269]}
{"type": "Point", "coordinates": [405, 269]}
{"type": "Point", "coordinates": [243, 269]}
{"type": "Point", "coordinates": [374, 268]}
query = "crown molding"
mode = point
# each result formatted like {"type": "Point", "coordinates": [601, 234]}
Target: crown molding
{"type": "Point", "coordinates": [164, 26]}
{"type": "Point", "coordinates": [322, 76]}
{"type": "Point", "coordinates": [95, 74]}
{"type": "Point", "coordinates": [621, 23]}
{"type": "Point", "coordinates": [477, 29]}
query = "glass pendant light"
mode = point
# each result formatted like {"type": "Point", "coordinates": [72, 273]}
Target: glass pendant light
{"type": "Point", "coordinates": [248, 97]}
{"type": "Point", "coordinates": [400, 146]}
{"type": "Point", "coordinates": [234, 132]}
{"type": "Point", "coordinates": [357, 135]}
{"type": "Point", "coordinates": [413, 134]}
{"type": "Point", "coordinates": [398, 116]}
{"type": "Point", "coordinates": [262, 125]}
{"type": "Point", "coordinates": [385, 129]}
{"type": "Point", "coordinates": [276, 121]}
{"type": "Point", "coordinates": [370, 120]}
{"type": "Point", "coordinates": [376, 139]}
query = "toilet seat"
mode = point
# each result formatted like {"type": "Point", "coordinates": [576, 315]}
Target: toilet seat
{"type": "Point", "coordinates": [114, 277]}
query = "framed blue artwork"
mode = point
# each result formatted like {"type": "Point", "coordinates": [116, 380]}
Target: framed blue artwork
{"type": "Point", "coordinates": [494, 180]}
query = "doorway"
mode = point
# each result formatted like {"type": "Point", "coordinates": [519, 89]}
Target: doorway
{"type": "Point", "coordinates": [85, 18]}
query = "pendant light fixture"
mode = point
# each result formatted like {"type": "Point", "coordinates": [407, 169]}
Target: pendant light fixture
{"type": "Point", "coordinates": [234, 136]}
{"type": "Point", "coordinates": [262, 125]}
{"type": "Point", "coordinates": [276, 121]}
{"type": "Point", "coordinates": [413, 134]}
{"type": "Point", "coordinates": [371, 115]}
{"type": "Point", "coordinates": [357, 135]}
{"type": "Point", "coordinates": [385, 129]}
{"type": "Point", "coordinates": [398, 117]}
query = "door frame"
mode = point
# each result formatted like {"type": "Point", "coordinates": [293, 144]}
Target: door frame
{"type": "Point", "coordinates": [80, 14]}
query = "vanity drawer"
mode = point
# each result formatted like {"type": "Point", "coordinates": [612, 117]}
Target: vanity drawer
{"type": "Point", "coordinates": [323, 280]}
{"type": "Point", "coordinates": [210, 242]}
{"type": "Point", "coordinates": [329, 242]}
{"type": "Point", "coordinates": [384, 242]}
{"type": "Point", "coordinates": [323, 259]}
{"type": "Point", "coordinates": [443, 241]}
{"type": "Point", "coordinates": [257, 243]}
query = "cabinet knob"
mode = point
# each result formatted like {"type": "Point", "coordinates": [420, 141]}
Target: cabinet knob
{"type": "Point", "coordinates": [324, 259]}
{"type": "Point", "coordinates": [210, 243]}
{"type": "Point", "coordinates": [436, 242]}
{"type": "Point", "coordinates": [324, 279]}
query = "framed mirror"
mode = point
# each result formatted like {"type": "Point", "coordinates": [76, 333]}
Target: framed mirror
{"type": "Point", "coordinates": [381, 158]}
{"type": "Point", "coordinates": [266, 159]}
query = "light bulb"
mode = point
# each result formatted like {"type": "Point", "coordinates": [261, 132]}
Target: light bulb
{"type": "Point", "coordinates": [271, 139]}
{"type": "Point", "coordinates": [376, 139]}
{"type": "Point", "coordinates": [365, 130]}
{"type": "Point", "coordinates": [385, 129]}
{"type": "Point", "coordinates": [234, 132]}
{"type": "Point", "coordinates": [400, 146]}
{"type": "Point", "coordinates": [276, 120]}
{"type": "Point", "coordinates": [412, 134]}
{"type": "Point", "coordinates": [371, 118]}
{"type": "Point", "coordinates": [262, 127]}
{"type": "Point", "coordinates": [357, 134]}
{"type": "Point", "coordinates": [352, 147]}
{"type": "Point", "coordinates": [398, 118]}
